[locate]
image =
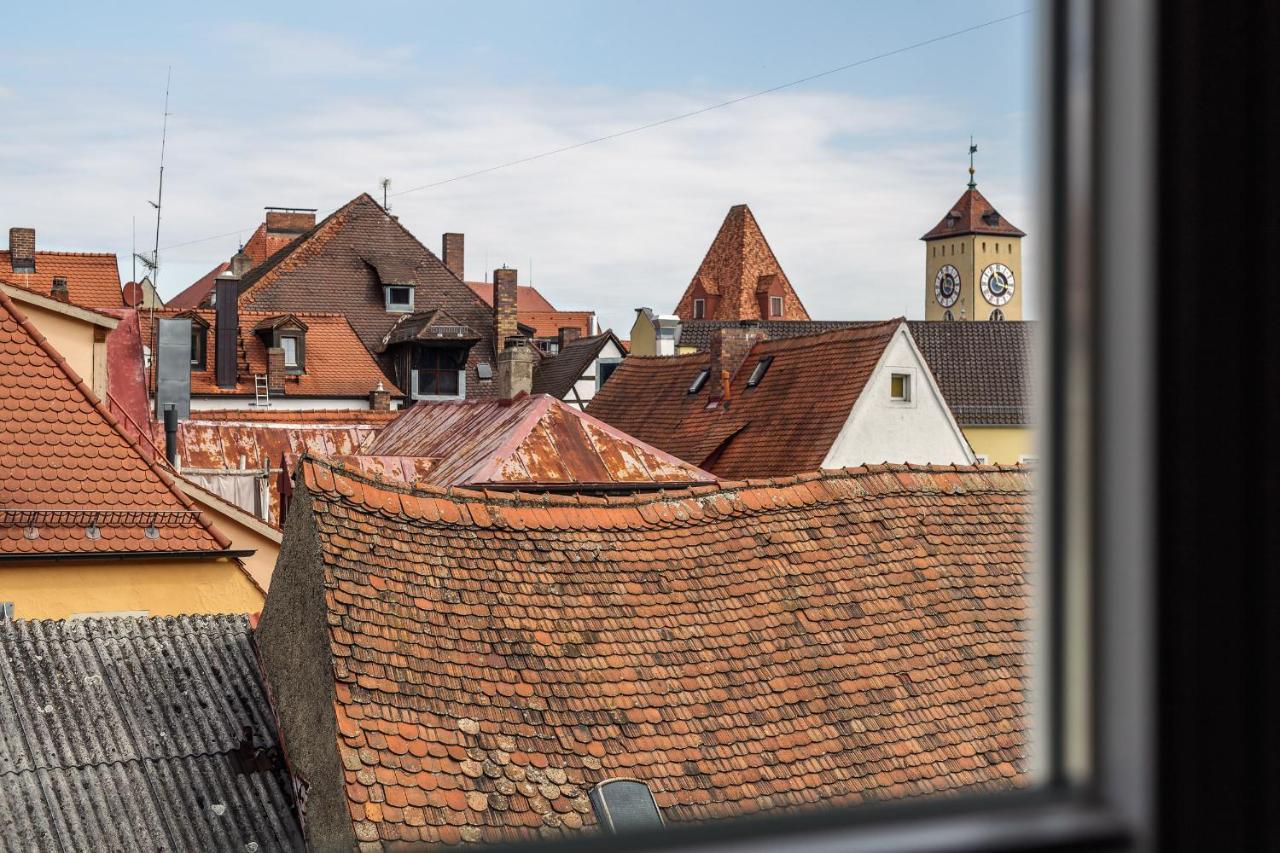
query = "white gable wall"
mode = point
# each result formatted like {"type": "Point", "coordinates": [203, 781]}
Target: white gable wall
{"type": "Point", "coordinates": [881, 429]}
{"type": "Point", "coordinates": [585, 388]}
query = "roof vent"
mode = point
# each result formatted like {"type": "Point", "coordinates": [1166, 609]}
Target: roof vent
{"type": "Point", "coordinates": [625, 805]}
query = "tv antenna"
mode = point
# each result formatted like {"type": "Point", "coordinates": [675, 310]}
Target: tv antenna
{"type": "Point", "coordinates": [152, 262]}
{"type": "Point", "coordinates": [386, 185]}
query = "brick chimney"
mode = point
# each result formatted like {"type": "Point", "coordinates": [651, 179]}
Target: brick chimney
{"type": "Point", "coordinates": [289, 221]}
{"type": "Point", "coordinates": [569, 334]}
{"type": "Point", "coordinates": [380, 399]}
{"type": "Point", "coordinates": [226, 292]}
{"type": "Point", "coordinates": [240, 263]}
{"type": "Point", "coordinates": [275, 370]}
{"type": "Point", "coordinates": [22, 249]}
{"type": "Point", "coordinates": [59, 289]}
{"type": "Point", "coordinates": [451, 252]}
{"type": "Point", "coordinates": [729, 348]}
{"type": "Point", "coordinates": [515, 368]}
{"type": "Point", "coordinates": [504, 307]}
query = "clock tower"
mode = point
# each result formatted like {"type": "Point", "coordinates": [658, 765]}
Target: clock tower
{"type": "Point", "coordinates": [973, 261]}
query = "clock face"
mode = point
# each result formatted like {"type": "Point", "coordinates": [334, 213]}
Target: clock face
{"type": "Point", "coordinates": [997, 284]}
{"type": "Point", "coordinates": [946, 286]}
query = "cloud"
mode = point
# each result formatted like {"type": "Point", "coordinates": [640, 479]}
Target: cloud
{"type": "Point", "coordinates": [843, 185]}
{"type": "Point", "coordinates": [290, 52]}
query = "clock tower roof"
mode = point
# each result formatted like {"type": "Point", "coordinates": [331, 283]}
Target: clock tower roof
{"type": "Point", "coordinates": [973, 214]}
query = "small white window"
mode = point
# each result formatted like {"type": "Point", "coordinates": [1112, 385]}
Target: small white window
{"type": "Point", "coordinates": [699, 308]}
{"type": "Point", "coordinates": [399, 298]}
{"type": "Point", "coordinates": [290, 347]}
{"type": "Point", "coordinates": [775, 306]}
{"type": "Point", "coordinates": [900, 387]}
{"type": "Point", "coordinates": [981, 458]}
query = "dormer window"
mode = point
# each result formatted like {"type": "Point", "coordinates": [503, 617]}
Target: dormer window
{"type": "Point", "coordinates": [199, 343]}
{"type": "Point", "coordinates": [399, 297]}
{"type": "Point", "coordinates": [775, 306]}
{"type": "Point", "coordinates": [292, 346]}
{"type": "Point", "coordinates": [699, 309]}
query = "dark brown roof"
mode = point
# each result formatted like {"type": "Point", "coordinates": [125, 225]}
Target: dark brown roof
{"type": "Point", "coordinates": [738, 259]}
{"type": "Point", "coordinates": [555, 375]}
{"type": "Point", "coordinates": [533, 442]}
{"type": "Point", "coordinates": [784, 425]}
{"type": "Point", "coordinates": [982, 369]}
{"type": "Point", "coordinates": [328, 269]}
{"type": "Point", "coordinates": [972, 214]}
{"type": "Point", "coordinates": [832, 639]}
{"type": "Point", "coordinates": [435, 325]}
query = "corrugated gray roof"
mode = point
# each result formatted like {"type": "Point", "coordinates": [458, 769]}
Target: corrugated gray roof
{"type": "Point", "coordinates": [122, 734]}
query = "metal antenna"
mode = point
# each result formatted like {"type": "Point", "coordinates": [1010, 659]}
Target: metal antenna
{"type": "Point", "coordinates": [164, 138]}
{"type": "Point", "coordinates": [386, 185]}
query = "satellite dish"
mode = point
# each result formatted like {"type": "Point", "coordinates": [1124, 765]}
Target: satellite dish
{"type": "Point", "coordinates": [132, 294]}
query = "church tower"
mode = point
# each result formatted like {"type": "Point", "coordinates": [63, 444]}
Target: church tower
{"type": "Point", "coordinates": [973, 261]}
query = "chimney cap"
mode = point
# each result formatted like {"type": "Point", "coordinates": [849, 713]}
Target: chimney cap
{"type": "Point", "coordinates": [514, 341]}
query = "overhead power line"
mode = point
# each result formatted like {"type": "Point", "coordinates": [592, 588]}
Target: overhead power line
{"type": "Point", "coordinates": [701, 110]}
{"type": "Point", "coordinates": [671, 119]}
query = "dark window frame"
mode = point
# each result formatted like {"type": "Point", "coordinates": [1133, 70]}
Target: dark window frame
{"type": "Point", "coordinates": [699, 309]}
{"type": "Point", "coordinates": [300, 349]}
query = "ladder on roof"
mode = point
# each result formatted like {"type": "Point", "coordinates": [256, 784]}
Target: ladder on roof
{"type": "Point", "coordinates": [261, 394]}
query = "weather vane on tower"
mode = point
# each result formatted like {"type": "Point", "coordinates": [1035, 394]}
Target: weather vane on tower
{"type": "Point", "coordinates": [973, 185]}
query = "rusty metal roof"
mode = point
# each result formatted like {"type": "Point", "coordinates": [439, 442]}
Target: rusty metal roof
{"type": "Point", "coordinates": [534, 442]}
{"type": "Point", "coordinates": [222, 444]}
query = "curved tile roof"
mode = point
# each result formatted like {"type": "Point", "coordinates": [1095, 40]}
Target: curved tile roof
{"type": "Point", "coordinates": [822, 640]}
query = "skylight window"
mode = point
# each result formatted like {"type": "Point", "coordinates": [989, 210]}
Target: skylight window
{"type": "Point", "coordinates": [625, 805]}
{"type": "Point", "coordinates": [762, 367]}
{"type": "Point", "coordinates": [698, 381]}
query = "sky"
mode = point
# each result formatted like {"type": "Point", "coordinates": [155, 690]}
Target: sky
{"type": "Point", "coordinates": [310, 104]}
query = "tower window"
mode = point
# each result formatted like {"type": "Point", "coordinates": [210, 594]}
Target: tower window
{"type": "Point", "coordinates": [997, 245]}
{"type": "Point", "coordinates": [962, 248]}
{"type": "Point", "coordinates": [984, 245]}
{"type": "Point", "coordinates": [996, 316]}
{"type": "Point", "coordinates": [1009, 248]}
{"type": "Point", "coordinates": [946, 315]}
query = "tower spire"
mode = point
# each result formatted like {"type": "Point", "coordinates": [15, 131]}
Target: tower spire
{"type": "Point", "coordinates": [973, 184]}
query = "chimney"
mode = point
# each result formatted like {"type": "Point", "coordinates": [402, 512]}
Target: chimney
{"type": "Point", "coordinates": [666, 333]}
{"type": "Point", "coordinates": [226, 292]}
{"type": "Point", "coordinates": [504, 307]}
{"type": "Point", "coordinates": [275, 370]}
{"type": "Point", "coordinates": [171, 434]}
{"type": "Point", "coordinates": [380, 399]}
{"type": "Point", "coordinates": [568, 334]}
{"type": "Point", "coordinates": [729, 348]}
{"type": "Point", "coordinates": [515, 368]}
{"type": "Point", "coordinates": [286, 220]}
{"type": "Point", "coordinates": [451, 249]}
{"type": "Point", "coordinates": [22, 249]}
{"type": "Point", "coordinates": [59, 290]}
{"type": "Point", "coordinates": [240, 263]}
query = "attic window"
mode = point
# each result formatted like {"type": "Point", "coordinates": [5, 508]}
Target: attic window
{"type": "Point", "coordinates": [775, 306]}
{"type": "Point", "coordinates": [399, 297]}
{"type": "Point", "coordinates": [292, 346]}
{"type": "Point", "coordinates": [900, 387]}
{"type": "Point", "coordinates": [762, 367]}
{"type": "Point", "coordinates": [699, 309]}
{"type": "Point", "coordinates": [625, 805]}
{"type": "Point", "coordinates": [700, 380]}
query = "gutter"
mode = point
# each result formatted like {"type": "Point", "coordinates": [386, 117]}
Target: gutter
{"type": "Point", "coordinates": [71, 557]}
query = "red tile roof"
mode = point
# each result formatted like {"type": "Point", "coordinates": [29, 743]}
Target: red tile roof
{"type": "Point", "coordinates": [527, 296]}
{"type": "Point", "coordinates": [733, 269]}
{"type": "Point", "coordinates": [336, 362]}
{"type": "Point", "coordinates": [785, 425]}
{"type": "Point", "coordinates": [93, 279]}
{"type": "Point", "coordinates": [195, 295]}
{"type": "Point", "coordinates": [972, 214]}
{"type": "Point", "coordinates": [62, 453]}
{"type": "Point", "coordinates": [827, 640]}
{"type": "Point", "coordinates": [534, 442]}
